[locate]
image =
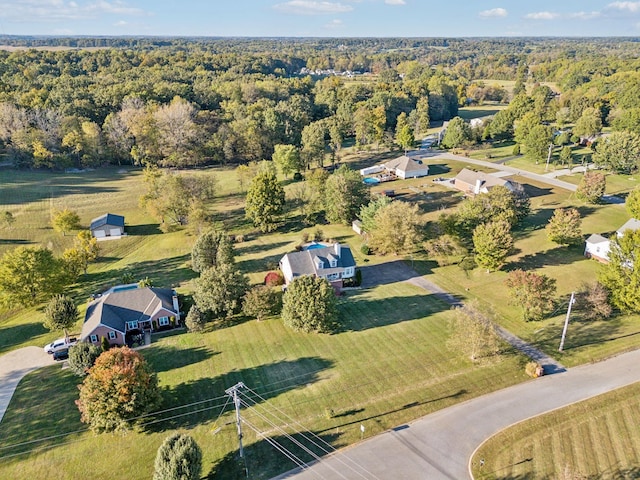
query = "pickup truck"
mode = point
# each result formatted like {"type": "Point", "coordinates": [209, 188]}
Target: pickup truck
{"type": "Point", "coordinates": [60, 344]}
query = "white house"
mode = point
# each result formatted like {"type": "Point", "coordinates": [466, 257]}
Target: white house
{"type": "Point", "coordinates": [598, 247]}
{"type": "Point", "coordinates": [405, 167]}
{"type": "Point", "coordinates": [333, 262]}
{"type": "Point", "coordinates": [471, 182]}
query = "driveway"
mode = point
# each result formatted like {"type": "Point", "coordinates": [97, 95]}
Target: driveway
{"type": "Point", "coordinates": [15, 365]}
{"type": "Point", "coordinates": [440, 445]}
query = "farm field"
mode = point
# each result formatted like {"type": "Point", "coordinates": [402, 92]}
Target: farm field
{"type": "Point", "coordinates": [598, 438]}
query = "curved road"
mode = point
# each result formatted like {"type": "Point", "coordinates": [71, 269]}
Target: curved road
{"type": "Point", "coordinates": [15, 365]}
{"type": "Point", "coordinates": [440, 445]}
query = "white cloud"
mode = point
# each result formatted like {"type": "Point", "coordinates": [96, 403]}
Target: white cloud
{"type": "Point", "coordinates": [631, 7]}
{"type": "Point", "coordinates": [52, 10]}
{"type": "Point", "coordinates": [494, 12]}
{"type": "Point", "coordinates": [542, 16]}
{"type": "Point", "coordinates": [334, 24]}
{"type": "Point", "coordinates": [121, 23]}
{"type": "Point", "coordinates": [585, 15]}
{"type": "Point", "coordinates": [395, 2]}
{"type": "Point", "coordinates": [310, 7]}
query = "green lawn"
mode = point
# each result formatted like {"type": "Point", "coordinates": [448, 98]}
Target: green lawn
{"type": "Point", "coordinates": [598, 438]}
{"type": "Point", "coordinates": [390, 364]}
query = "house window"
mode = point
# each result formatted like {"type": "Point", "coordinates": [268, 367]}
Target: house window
{"type": "Point", "coordinates": [112, 335]}
{"type": "Point", "coordinates": [132, 325]}
{"type": "Point", "coordinates": [93, 338]}
{"type": "Point", "coordinates": [163, 321]}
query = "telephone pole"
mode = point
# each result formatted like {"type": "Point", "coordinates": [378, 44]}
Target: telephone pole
{"type": "Point", "coordinates": [566, 321]}
{"type": "Point", "coordinates": [233, 392]}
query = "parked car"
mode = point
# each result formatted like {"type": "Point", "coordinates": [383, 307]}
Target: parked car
{"type": "Point", "coordinates": [60, 344]}
{"type": "Point", "coordinates": [61, 354]}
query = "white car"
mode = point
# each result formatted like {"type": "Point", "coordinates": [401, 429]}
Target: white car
{"type": "Point", "coordinates": [59, 344]}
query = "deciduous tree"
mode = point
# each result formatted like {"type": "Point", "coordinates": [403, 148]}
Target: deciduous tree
{"type": "Point", "coordinates": [265, 201]}
{"type": "Point", "coordinates": [592, 186]}
{"type": "Point", "coordinates": [537, 143]}
{"type": "Point", "coordinates": [28, 275]}
{"type": "Point", "coordinates": [492, 243]}
{"type": "Point", "coordinates": [458, 134]}
{"type": "Point", "coordinates": [259, 302]}
{"type": "Point", "coordinates": [212, 248]}
{"type": "Point", "coordinates": [195, 320]}
{"type": "Point", "coordinates": [397, 228]}
{"type": "Point", "coordinates": [345, 193]}
{"type": "Point", "coordinates": [287, 158]}
{"type": "Point", "coordinates": [65, 220]}
{"type": "Point", "coordinates": [632, 203]}
{"type": "Point", "coordinates": [532, 292]}
{"type": "Point", "coordinates": [619, 152]}
{"type": "Point", "coordinates": [125, 372]}
{"type": "Point", "coordinates": [309, 305]}
{"type": "Point", "coordinates": [178, 458]}
{"type": "Point", "coordinates": [368, 212]}
{"type": "Point", "coordinates": [564, 227]}
{"type": "Point", "coordinates": [60, 313]}
{"type": "Point", "coordinates": [82, 357]}
{"type": "Point", "coordinates": [220, 289]}
{"type": "Point", "coordinates": [621, 276]}
{"type": "Point", "coordinates": [473, 332]}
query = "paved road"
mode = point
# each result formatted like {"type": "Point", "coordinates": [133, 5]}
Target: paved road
{"type": "Point", "coordinates": [15, 365]}
{"type": "Point", "coordinates": [440, 445]}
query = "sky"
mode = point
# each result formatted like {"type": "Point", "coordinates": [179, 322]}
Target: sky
{"type": "Point", "coordinates": [321, 18]}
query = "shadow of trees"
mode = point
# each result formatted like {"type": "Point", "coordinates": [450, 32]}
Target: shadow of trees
{"type": "Point", "coordinates": [205, 397]}
{"type": "Point", "coordinates": [386, 311]}
{"type": "Point", "coordinates": [559, 255]}
{"type": "Point", "coordinates": [263, 461]}
{"type": "Point", "coordinates": [15, 334]}
{"type": "Point", "coordinates": [164, 358]}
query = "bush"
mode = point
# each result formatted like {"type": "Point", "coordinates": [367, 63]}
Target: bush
{"type": "Point", "coordinates": [516, 149]}
{"type": "Point", "coordinates": [318, 235]}
{"type": "Point", "coordinates": [82, 356]}
{"type": "Point", "coordinates": [534, 369]}
{"type": "Point", "coordinates": [195, 320]}
{"type": "Point", "coordinates": [305, 237]}
{"type": "Point", "coordinates": [274, 279]}
{"type": "Point", "coordinates": [297, 177]}
{"type": "Point", "coordinates": [365, 249]}
{"type": "Point", "coordinates": [105, 344]}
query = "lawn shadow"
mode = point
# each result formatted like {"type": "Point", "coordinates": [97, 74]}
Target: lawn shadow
{"type": "Point", "coordinates": [581, 334]}
{"type": "Point", "coordinates": [143, 230]}
{"type": "Point", "coordinates": [204, 398]}
{"type": "Point", "coordinates": [244, 249]}
{"type": "Point", "coordinates": [560, 255]}
{"type": "Point", "coordinates": [265, 458]}
{"type": "Point", "coordinates": [164, 358]}
{"type": "Point", "coordinates": [17, 241]}
{"type": "Point", "coordinates": [16, 334]}
{"type": "Point", "coordinates": [386, 311]}
{"type": "Point", "coordinates": [533, 191]}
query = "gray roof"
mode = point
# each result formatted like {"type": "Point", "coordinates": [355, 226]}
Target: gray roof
{"type": "Point", "coordinates": [632, 224]}
{"type": "Point", "coordinates": [116, 308]}
{"type": "Point", "coordinates": [303, 263]}
{"type": "Point", "coordinates": [107, 219]}
{"type": "Point", "coordinates": [471, 176]}
{"type": "Point", "coordinates": [406, 164]}
{"type": "Point", "coordinates": [595, 238]}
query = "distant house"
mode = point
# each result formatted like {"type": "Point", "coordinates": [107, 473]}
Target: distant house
{"type": "Point", "coordinates": [107, 226]}
{"type": "Point", "coordinates": [405, 167]}
{"type": "Point", "coordinates": [334, 262]}
{"type": "Point", "coordinates": [126, 310]}
{"type": "Point", "coordinates": [598, 247]}
{"type": "Point", "coordinates": [471, 182]}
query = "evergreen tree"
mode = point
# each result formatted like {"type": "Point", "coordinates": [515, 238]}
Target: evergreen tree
{"type": "Point", "coordinates": [178, 458]}
{"type": "Point", "coordinates": [211, 248]}
{"type": "Point", "coordinates": [309, 305]}
{"type": "Point", "coordinates": [345, 193]}
{"type": "Point", "coordinates": [265, 201]}
{"type": "Point", "coordinates": [60, 313]}
{"type": "Point", "coordinates": [220, 289]}
{"type": "Point", "coordinates": [82, 356]}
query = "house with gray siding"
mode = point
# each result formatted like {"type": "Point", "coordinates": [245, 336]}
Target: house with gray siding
{"type": "Point", "coordinates": [333, 262]}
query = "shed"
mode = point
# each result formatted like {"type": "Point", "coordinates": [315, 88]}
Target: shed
{"type": "Point", "coordinates": [106, 226]}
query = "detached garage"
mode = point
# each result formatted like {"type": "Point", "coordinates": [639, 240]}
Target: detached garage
{"type": "Point", "coordinates": [107, 226]}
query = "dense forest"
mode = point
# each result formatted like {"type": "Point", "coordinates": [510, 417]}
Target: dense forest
{"type": "Point", "coordinates": [85, 102]}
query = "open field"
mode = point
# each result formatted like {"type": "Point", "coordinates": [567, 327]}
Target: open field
{"type": "Point", "coordinates": [598, 438]}
{"type": "Point", "coordinates": [388, 366]}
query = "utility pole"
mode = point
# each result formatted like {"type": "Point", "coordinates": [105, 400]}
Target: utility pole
{"type": "Point", "coordinates": [566, 321]}
{"type": "Point", "coordinates": [233, 392]}
{"type": "Point", "coordinates": [548, 157]}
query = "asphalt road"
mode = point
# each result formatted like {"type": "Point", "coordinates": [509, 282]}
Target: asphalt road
{"type": "Point", "coordinates": [440, 445]}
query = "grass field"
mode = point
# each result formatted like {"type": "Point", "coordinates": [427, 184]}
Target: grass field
{"type": "Point", "coordinates": [388, 365]}
{"type": "Point", "coordinates": [598, 438]}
